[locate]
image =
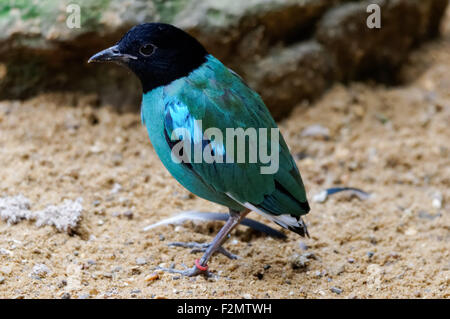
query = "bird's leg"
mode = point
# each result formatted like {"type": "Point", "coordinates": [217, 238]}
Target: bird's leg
{"type": "Point", "coordinates": [200, 266]}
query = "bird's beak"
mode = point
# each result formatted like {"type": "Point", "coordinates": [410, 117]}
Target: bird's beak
{"type": "Point", "coordinates": [111, 54]}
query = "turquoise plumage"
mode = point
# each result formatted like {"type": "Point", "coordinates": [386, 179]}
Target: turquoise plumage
{"type": "Point", "coordinates": [219, 98]}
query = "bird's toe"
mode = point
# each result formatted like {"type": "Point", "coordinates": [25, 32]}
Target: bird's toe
{"type": "Point", "coordinates": [202, 247]}
{"type": "Point", "coordinates": [191, 272]}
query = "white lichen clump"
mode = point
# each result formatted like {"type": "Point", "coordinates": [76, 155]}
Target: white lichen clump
{"type": "Point", "coordinates": [14, 209]}
{"type": "Point", "coordinates": [64, 217]}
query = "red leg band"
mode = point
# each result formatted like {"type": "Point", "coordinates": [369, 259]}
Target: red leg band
{"type": "Point", "coordinates": [200, 267]}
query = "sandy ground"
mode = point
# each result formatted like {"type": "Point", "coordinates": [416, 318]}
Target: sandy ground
{"type": "Point", "coordinates": [391, 142]}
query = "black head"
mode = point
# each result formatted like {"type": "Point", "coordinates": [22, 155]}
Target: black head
{"type": "Point", "coordinates": [157, 53]}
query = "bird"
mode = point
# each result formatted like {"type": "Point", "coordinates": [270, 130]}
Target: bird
{"type": "Point", "coordinates": [186, 89]}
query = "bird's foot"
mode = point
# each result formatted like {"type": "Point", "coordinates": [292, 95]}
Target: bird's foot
{"type": "Point", "coordinates": [196, 270]}
{"type": "Point", "coordinates": [202, 247]}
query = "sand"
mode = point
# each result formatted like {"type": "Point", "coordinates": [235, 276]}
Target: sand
{"type": "Point", "coordinates": [392, 142]}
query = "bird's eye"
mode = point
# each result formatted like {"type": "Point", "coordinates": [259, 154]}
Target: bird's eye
{"type": "Point", "coordinates": [147, 49]}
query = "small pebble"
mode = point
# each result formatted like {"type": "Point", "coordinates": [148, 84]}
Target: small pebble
{"type": "Point", "coordinates": [152, 277]}
{"type": "Point", "coordinates": [320, 197]}
{"type": "Point", "coordinates": [247, 296]}
{"type": "Point", "coordinates": [259, 275]}
{"type": "Point", "coordinates": [141, 261]}
{"type": "Point", "coordinates": [299, 262]}
{"type": "Point", "coordinates": [65, 295]}
{"type": "Point", "coordinates": [351, 260]}
{"type": "Point", "coordinates": [437, 201]}
{"type": "Point", "coordinates": [128, 214]}
{"type": "Point", "coordinates": [2, 280]}
{"type": "Point", "coordinates": [116, 188]}
{"type": "Point", "coordinates": [336, 290]}
{"type": "Point", "coordinates": [370, 254]}
{"type": "Point", "coordinates": [411, 231]}
{"type": "Point", "coordinates": [91, 262]}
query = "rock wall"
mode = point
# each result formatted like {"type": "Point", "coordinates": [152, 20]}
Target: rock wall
{"type": "Point", "coordinates": [288, 50]}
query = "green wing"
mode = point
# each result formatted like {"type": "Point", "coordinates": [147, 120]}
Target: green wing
{"type": "Point", "coordinates": [220, 99]}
